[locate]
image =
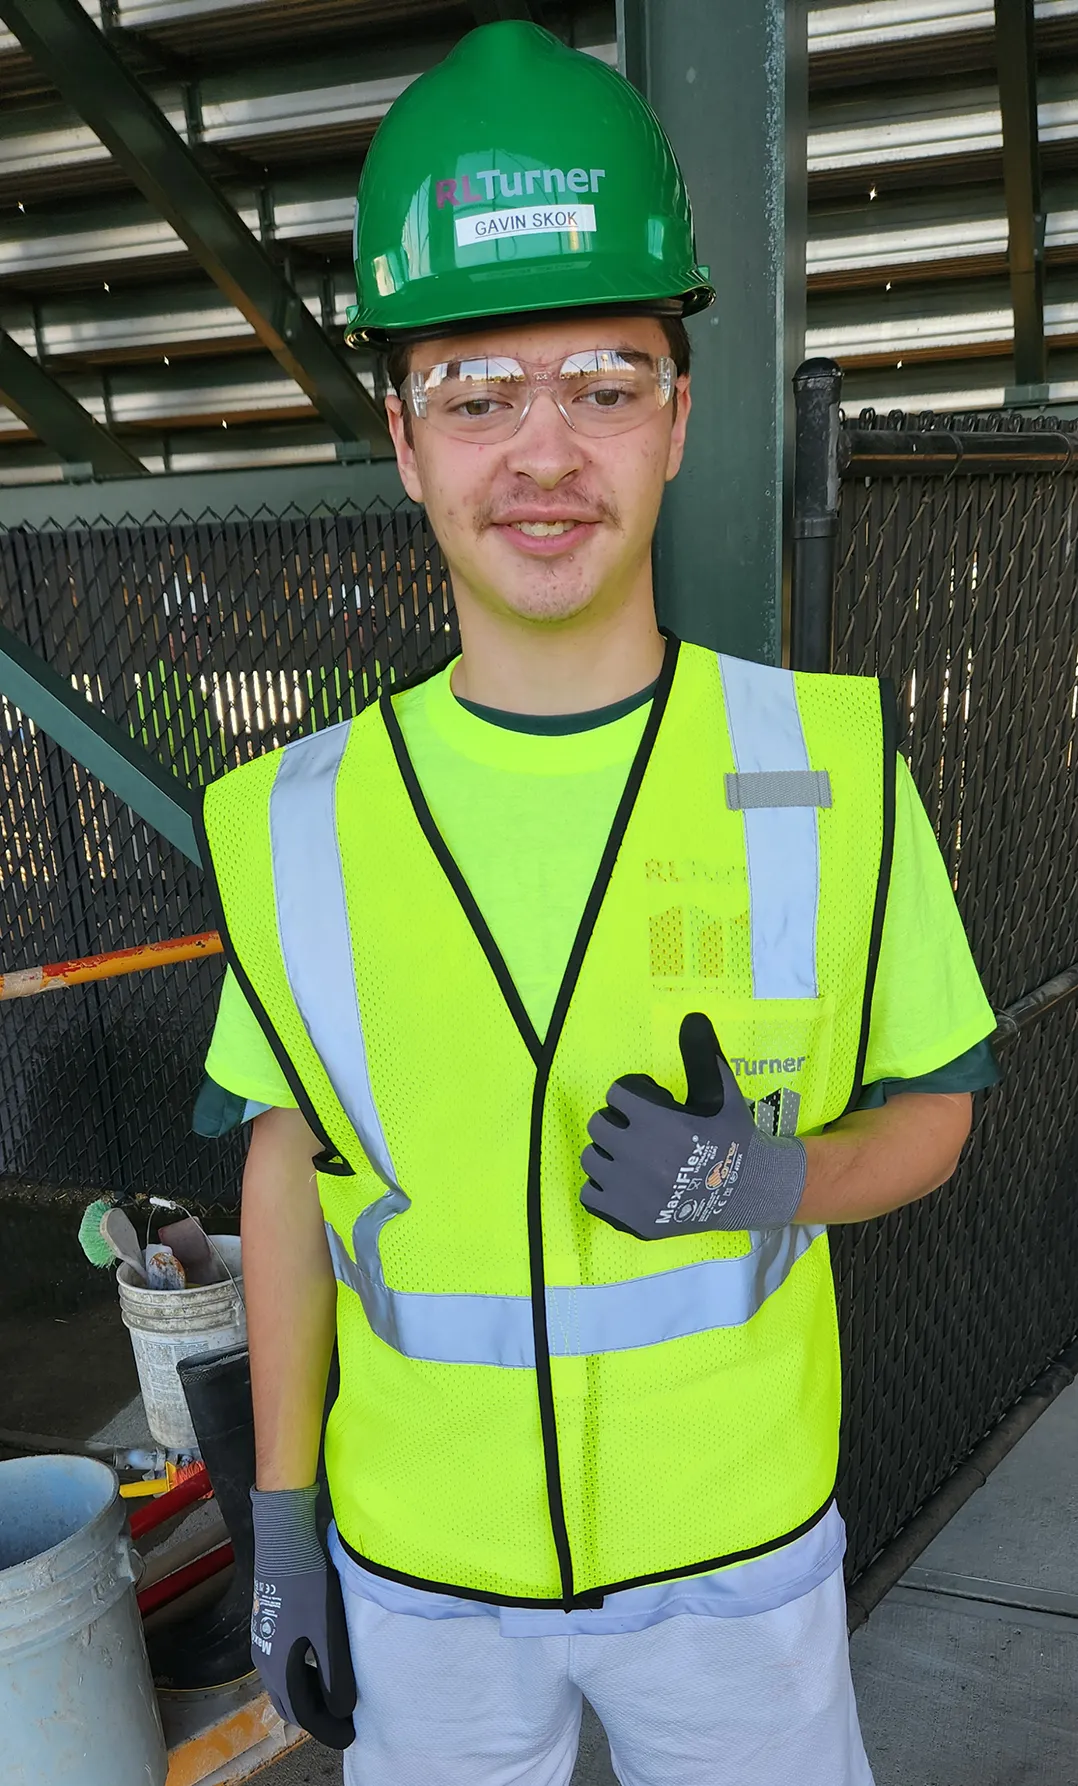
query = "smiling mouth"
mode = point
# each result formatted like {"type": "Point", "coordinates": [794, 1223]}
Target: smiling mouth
{"type": "Point", "coordinates": [544, 530]}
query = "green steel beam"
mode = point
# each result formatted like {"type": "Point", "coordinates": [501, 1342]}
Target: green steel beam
{"type": "Point", "coordinates": [730, 82]}
{"type": "Point", "coordinates": [185, 496]}
{"type": "Point", "coordinates": [59, 421]}
{"type": "Point", "coordinates": [72, 52]}
{"type": "Point", "coordinates": [1016, 59]}
{"type": "Point", "coordinates": [95, 741]}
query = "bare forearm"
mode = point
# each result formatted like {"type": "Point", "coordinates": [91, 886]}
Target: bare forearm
{"type": "Point", "coordinates": [877, 1160]}
{"type": "Point", "coordinates": [291, 1299]}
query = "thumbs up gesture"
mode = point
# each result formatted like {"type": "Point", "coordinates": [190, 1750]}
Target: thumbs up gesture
{"type": "Point", "coordinates": [657, 1168]}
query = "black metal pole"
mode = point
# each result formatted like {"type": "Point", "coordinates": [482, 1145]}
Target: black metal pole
{"type": "Point", "coordinates": [1033, 1005]}
{"type": "Point", "coordinates": [881, 452]}
{"type": "Point", "coordinates": [817, 390]}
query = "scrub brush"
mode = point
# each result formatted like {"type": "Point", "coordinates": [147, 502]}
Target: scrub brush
{"type": "Point", "coordinates": [93, 1243]}
{"type": "Point", "coordinates": [105, 1234]}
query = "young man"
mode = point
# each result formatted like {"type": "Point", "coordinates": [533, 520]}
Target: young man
{"type": "Point", "coordinates": [584, 983]}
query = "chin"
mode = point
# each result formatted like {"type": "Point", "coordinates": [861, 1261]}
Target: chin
{"type": "Point", "coordinates": [552, 603]}
{"type": "Point", "coordinates": [551, 592]}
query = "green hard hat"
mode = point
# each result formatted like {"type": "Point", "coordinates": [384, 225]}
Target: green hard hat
{"type": "Point", "coordinates": [518, 175]}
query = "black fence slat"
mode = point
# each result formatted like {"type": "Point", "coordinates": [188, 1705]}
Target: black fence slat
{"type": "Point", "coordinates": [961, 585]}
{"type": "Point", "coordinates": [212, 638]}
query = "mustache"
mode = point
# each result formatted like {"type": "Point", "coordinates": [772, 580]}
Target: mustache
{"type": "Point", "coordinates": [577, 500]}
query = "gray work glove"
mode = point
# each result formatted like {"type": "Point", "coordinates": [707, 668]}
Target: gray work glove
{"type": "Point", "coordinates": [298, 1606]}
{"type": "Point", "coordinates": [657, 1167]}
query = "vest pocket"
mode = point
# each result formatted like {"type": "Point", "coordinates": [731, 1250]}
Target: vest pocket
{"type": "Point", "coordinates": [781, 1052]}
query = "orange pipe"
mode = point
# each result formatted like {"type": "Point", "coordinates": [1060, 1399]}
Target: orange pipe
{"type": "Point", "coordinates": [24, 982]}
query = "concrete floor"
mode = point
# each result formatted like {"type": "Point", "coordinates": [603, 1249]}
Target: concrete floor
{"type": "Point", "coordinates": [966, 1675]}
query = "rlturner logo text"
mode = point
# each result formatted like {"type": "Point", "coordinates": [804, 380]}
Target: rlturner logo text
{"type": "Point", "coordinates": [791, 1064]}
{"type": "Point", "coordinates": [525, 183]}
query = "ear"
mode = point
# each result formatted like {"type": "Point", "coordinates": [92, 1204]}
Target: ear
{"type": "Point", "coordinates": [403, 446]}
{"type": "Point", "coordinates": [683, 403]}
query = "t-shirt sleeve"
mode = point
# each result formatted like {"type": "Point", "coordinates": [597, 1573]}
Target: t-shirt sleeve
{"type": "Point", "coordinates": [928, 1005]}
{"type": "Point", "coordinates": [976, 1070]}
{"type": "Point", "coordinates": [240, 1060]}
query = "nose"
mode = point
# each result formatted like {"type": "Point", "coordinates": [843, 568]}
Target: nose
{"type": "Point", "coordinates": [544, 447]}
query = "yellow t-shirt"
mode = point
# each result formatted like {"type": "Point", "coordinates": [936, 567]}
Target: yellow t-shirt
{"type": "Point", "coordinates": [525, 815]}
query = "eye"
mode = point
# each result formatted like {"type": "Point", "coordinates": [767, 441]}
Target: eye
{"type": "Point", "coordinates": [477, 408]}
{"type": "Point", "coordinates": [607, 396]}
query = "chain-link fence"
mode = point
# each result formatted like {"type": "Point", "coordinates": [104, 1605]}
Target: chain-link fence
{"type": "Point", "coordinates": [961, 585]}
{"type": "Point", "coordinates": [211, 640]}
{"type": "Point", "coordinates": [216, 638]}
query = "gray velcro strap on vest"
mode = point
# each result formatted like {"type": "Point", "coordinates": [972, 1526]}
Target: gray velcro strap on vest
{"type": "Point", "coordinates": [778, 787]}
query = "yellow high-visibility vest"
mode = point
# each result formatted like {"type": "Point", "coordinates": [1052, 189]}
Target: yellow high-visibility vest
{"type": "Point", "coordinates": [534, 1407]}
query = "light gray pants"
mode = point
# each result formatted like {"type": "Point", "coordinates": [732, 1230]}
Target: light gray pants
{"type": "Point", "coordinates": [764, 1700]}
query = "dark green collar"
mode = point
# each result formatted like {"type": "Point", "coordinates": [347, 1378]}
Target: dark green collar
{"type": "Point", "coordinates": [559, 725]}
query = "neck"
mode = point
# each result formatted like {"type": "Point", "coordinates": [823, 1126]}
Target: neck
{"type": "Point", "coordinates": [572, 666]}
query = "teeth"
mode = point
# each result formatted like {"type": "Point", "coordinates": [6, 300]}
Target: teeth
{"type": "Point", "coordinates": [541, 530]}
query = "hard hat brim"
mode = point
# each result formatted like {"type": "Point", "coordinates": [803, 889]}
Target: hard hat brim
{"type": "Point", "coordinates": [360, 332]}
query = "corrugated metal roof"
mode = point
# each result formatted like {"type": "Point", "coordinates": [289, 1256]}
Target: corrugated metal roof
{"type": "Point", "coordinates": [907, 252]}
{"type": "Point", "coordinates": [876, 133]}
{"type": "Point", "coordinates": [971, 385]}
{"type": "Point", "coordinates": [226, 24]}
{"type": "Point", "coordinates": [907, 231]}
{"type": "Point", "coordinates": [890, 24]}
{"type": "Point", "coordinates": [898, 39]}
{"type": "Point", "coordinates": [943, 322]}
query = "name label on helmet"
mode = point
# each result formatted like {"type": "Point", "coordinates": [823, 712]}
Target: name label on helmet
{"type": "Point", "coordinates": [550, 220]}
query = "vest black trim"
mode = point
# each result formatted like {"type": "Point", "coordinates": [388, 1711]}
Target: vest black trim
{"type": "Point", "coordinates": [889, 718]}
{"type": "Point", "coordinates": [464, 894]}
{"type": "Point", "coordinates": [542, 1054]}
{"type": "Point", "coordinates": [331, 1159]}
{"type": "Point", "coordinates": [594, 1596]}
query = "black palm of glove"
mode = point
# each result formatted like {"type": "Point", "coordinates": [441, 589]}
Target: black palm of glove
{"type": "Point", "coordinates": [657, 1167]}
{"type": "Point", "coordinates": [298, 1607]}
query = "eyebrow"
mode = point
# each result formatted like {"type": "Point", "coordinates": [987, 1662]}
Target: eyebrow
{"type": "Point", "coordinates": [636, 354]}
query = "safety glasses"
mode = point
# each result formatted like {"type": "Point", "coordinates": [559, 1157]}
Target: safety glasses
{"type": "Point", "coordinates": [603, 391]}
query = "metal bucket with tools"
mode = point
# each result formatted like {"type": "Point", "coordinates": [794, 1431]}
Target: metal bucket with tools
{"type": "Point", "coordinates": [167, 1325]}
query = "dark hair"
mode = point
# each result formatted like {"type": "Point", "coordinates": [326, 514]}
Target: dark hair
{"type": "Point", "coordinates": [398, 355]}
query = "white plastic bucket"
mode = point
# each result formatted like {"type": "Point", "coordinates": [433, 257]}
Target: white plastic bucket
{"type": "Point", "coordinates": [77, 1705]}
{"type": "Point", "coordinates": [167, 1325]}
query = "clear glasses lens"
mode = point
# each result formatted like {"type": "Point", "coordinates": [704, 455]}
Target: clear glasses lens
{"type": "Point", "coordinates": [602, 391]}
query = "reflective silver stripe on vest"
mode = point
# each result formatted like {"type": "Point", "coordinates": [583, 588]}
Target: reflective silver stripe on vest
{"type": "Point", "coordinates": [781, 842]}
{"type": "Point", "coordinates": [315, 935]}
{"type": "Point", "coordinates": [582, 1319]}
